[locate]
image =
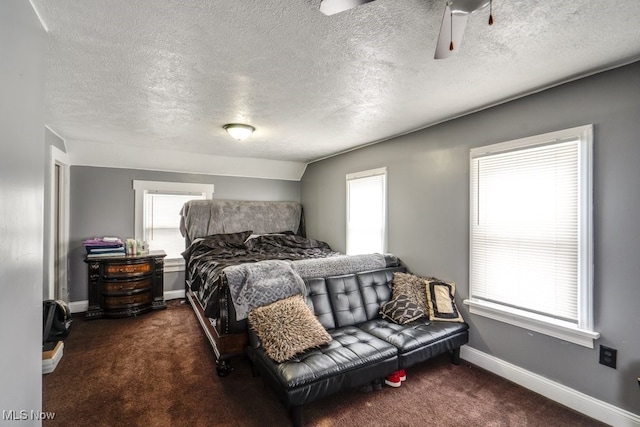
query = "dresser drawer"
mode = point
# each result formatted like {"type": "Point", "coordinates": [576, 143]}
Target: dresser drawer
{"type": "Point", "coordinates": [126, 287]}
{"type": "Point", "coordinates": [121, 270]}
{"type": "Point", "coordinates": [115, 302]}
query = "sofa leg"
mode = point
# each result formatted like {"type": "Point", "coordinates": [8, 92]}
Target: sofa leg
{"type": "Point", "coordinates": [296, 416]}
{"type": "Point", "coordinates": [455, 356]}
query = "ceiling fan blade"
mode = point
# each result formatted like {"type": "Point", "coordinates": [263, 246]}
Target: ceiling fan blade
{"type": "Point", "coordinates": [331, 7]}
{"type": "Point", "coordinates": [447, 36]}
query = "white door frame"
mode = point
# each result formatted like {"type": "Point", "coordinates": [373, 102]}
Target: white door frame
{"type": "Point", "coordinates": [60, 158]}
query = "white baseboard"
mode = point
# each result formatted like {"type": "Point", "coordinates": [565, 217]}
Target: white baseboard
{"type": "Point", "coordinates": [173, 295]}
{"type": "Point", "coordinates": [79, 306]}
{"type": "Point", "coordinates": [82, 306]}
{"type": "Point", "coordinates": [564, 395]}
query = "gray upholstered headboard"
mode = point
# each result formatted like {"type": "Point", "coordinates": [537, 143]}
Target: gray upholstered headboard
{"type": "Point", "coordinates": [200, 218]}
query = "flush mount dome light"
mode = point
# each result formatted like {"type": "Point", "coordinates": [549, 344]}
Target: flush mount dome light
{"type": "Point", "coordinates": [239, 131]}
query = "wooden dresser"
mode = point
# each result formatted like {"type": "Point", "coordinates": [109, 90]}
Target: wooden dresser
{"type": "Point", "coordinates": [125, 285]}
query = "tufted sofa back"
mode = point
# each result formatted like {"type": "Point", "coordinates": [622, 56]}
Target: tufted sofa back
{"type": "Point", "coordinates": [350, 299]}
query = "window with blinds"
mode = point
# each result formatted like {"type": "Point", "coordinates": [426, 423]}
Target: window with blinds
{"type": "Point", "coordinates": [366, 212]}
{"type": "Point", "coordinates": [530, 232]}
{"type": "Point", "coordinates": [157, 215]}
{"type": "Point", "coordinates": [162, 221]}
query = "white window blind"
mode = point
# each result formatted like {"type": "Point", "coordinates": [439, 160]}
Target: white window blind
{"type": "Point", "coordinates": [530, 226]}
{"type": "Point", "coordinates": [162, 221]}
{"type": "Point", "coordinates": [157, 215]}
{"type": "Point", "coordinates": [366, 212]}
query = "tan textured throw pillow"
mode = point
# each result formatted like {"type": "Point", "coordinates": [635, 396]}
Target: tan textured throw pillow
{"type": "Point", "coordinates": [441, 300]}
{"type": "Point", "coordinates": [287, 327]}
{"type": "Point", "coordinates": [413, 287]}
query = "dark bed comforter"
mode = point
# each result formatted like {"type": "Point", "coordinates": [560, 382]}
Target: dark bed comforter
{"type": "Point", "coordinates": [209, 256]}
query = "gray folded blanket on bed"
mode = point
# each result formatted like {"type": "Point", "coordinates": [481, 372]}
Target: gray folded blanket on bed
{"type": "Point", "coordinates": [339, 265]}
{"type": "Point", "coordinates": [261, 283]}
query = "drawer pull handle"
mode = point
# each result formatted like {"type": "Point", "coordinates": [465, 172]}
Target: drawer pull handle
{"type": "Point", "coordinates": [130, 269]}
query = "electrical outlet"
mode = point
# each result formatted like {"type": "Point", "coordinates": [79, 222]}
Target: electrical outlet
{"type": "Point", "coordinates": [608, 356]}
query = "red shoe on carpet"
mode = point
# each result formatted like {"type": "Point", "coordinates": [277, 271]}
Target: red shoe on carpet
{"type": "Point", "coordinates": [393, 380]}
{"type": "Point", "coordinates": [402, 374]}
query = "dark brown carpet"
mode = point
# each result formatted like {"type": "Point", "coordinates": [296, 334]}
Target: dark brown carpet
{"type": "Point", "coordinates": [158, 370]}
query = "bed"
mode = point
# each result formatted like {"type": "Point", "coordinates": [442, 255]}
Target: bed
{"type": "Point", "coordinates": [243, 254]}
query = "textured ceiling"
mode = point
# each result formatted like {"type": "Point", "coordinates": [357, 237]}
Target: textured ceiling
{"type": "Point", "coordinates": [168, 74]}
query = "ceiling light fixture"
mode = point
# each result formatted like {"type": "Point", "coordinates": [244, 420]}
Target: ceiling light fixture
{"type": "Point", "coordinates": [239, 131]}
{"type": "Point", "coordinates": [331, 7]}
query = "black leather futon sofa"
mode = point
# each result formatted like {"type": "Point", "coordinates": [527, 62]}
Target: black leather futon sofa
{"type": "Point", "coordinates": [364, 346]}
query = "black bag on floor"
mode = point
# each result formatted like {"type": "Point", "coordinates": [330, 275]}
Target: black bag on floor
{"type": "Point", "coordinates": [56, 317]}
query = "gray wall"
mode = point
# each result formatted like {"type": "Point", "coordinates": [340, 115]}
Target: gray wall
{"type": "Point", "coordinates": [428, 174]}
{"type": "Point", "coordinates": [102, 204]}
{"type": "Point", "coordinates": [22, 53]}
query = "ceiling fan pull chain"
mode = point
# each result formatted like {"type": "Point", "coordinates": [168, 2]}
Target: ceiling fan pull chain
{"type": "Point", "coordinates": [490, 12]}
{"type": "Point", "coordinates": [451, 30]}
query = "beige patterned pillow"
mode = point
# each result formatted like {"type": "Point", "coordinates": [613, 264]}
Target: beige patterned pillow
{"type": "Point", "coordinates": [413, 287]}
{"type": "Point", "coordinates": [401, 310]}
{"type": "Point", "coordinates": [287, 327]}
{"type": "Point", "coordinates": [441, 300]}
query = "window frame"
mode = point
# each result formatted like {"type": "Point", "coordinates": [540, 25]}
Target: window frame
{"type": "Point", "coordinates": [583, 332]}
{"type": "Point", "coordinates": [141, 188]}
{"type": "Point", "coordinates": [361, 175]}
